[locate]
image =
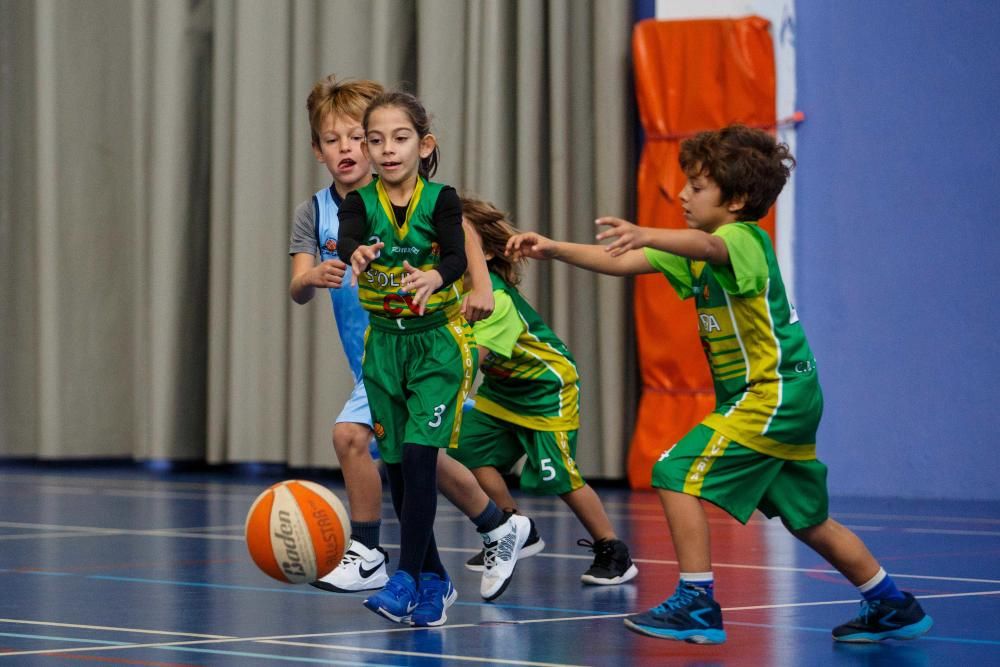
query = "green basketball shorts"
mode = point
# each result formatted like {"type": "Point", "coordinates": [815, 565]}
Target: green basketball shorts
{"type": "Point", "coordinates": [738, 479]}
{"type": "Point", "coordinates": [417, 372]}
{"type": "Point", "coordinates": [550, 468]}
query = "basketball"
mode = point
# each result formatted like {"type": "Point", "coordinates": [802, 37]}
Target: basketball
{"type": "Point", "coordinates": [297, 531]}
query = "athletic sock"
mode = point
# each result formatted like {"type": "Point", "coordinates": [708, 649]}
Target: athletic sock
{"type": "Point", "coordinates": [880, 587]}
{"type": "Point", "coordinates": [366, 532]}
{"type": "Point", "coordinates": [703, 581]}
{"type": "Point", "coordinates": [489, 518]}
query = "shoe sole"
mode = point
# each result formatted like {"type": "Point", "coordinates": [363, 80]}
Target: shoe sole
{"type": "Point", "coordinates": [526, 552]}
{"type": "Point", "coordinates": [381, 611]}
{"type": "Point", "coordinates": [503, 587]}
{"type": "Point", "coordinates": [906, 633]}
{"type": "Point", "coordinates": [330, 588]}
{"type": "Point", "coordinates": [710, 636]}
{"type": "Point", "coordinates": [629, 575]}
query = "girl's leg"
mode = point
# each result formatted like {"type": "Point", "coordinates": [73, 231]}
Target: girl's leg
{"type": "Point", "coordinates": [418, 508]}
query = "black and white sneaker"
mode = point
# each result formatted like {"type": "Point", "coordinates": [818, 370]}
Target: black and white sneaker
{"type": "Point", "coordinates": [501, 547]}
{"type": "Point", "coordinates": [534, 545]}
{"type": "Point", "coordinates": [361, 569]}
{"type": "Point", "coordinates": [612, 563]}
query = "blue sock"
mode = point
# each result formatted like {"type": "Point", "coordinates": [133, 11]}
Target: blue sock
{"type": "Point", "coordinates": [703, 581]}
{"type": "Point", "coordinates": [880, 587]}
{"type": "Point", "coordinates": [489, 518]}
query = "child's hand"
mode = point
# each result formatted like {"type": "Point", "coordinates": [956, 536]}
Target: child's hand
{"type": "Point", "coordinates": [362, 257]}
{"type": "Point", "coordinates": [478, 304]}
{"type": "Point", "coordinates": [329, 273]}
{"type": "Point", "coordinates": [422, 284]}
{"type": "Point", "coordinates": [531, 245]}
{"type": "Point", "coordinates": [627, 236]}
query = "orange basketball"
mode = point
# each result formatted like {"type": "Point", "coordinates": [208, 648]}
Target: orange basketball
{"type": "Point", "coordinates": [297, 531]}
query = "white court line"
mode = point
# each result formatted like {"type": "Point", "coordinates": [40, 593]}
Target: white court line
{"type": "Point", "coordinates": [48, 536]}
{"type": "Point", "coordinates": [944, 531]}
{"type": "Point", "coordinates": [285, 639]}
{"type": "Point", "coordinates": [111, 628]}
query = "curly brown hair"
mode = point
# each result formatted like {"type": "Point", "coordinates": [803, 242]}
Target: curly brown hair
{"type": "Point", "coordinates": [493, 228]}
{"type": "Point", "coordinates": [744, 162]}
{"type": "Point", "coordinates": [347, 97]}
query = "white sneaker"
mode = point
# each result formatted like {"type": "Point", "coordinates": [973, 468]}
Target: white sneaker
{"type": "Point", "coordinates": [361, 569]}
{"type": "Point", "coordinates": [501, 548]}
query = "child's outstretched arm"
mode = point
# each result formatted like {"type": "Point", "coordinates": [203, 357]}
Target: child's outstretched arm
{"type": "Point", "coordinates": [592, 257]}
{"type": "Point", "coordinates": [478, 301]}
{"type": "Point", "coordinates": [691, 243]}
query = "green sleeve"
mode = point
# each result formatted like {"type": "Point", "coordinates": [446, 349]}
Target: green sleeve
{"type": "Point", "coordinates": [746, 274]}
{"type": "Point", "coordinates": [499, 332]}
{"type": "Point", "coordinates": [674, 267]}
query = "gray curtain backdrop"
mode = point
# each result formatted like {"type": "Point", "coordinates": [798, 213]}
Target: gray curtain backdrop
{"type": "Point", "coordinates": [152, 153]}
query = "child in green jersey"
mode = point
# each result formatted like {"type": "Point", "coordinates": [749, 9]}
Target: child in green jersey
{"type": "Point", "coordinates": [757, 449]}
{"type": "Point", "coordinates": [336, 108]}
{"type": "Point", "coordinates": [403, 234]}
{"type": "Point", "coordinates": [529, 404]}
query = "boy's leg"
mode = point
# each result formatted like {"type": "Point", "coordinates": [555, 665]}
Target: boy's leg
{"type": "Point", "coordinates": [841, 548]}
{"type": "Point", "coordinates": [361, 477]}
{"type": "Point", "coordinates": [886, 612]}
{"type": "Point", "coordinates": [689, 530]}
{"type": "Point", "coordinates": [701, 465]}
{"type": "Point", "coordinates": [363, 566]}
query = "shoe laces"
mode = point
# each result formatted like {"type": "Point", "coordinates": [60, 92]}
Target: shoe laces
{"type": "Point", "coordinates": [502, 549]}
{"type": "Point", "coordinates": [682, 597]}
{"type": "Point", "coordinates": [604, 551]}
{"type": "Point", "coordinates": [350, 558]}
{"type": "Point", "coordinates": [868, 609]}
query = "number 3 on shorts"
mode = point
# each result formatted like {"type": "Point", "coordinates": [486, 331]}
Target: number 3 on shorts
{"type": "Point", "coordinates": [438, 411]}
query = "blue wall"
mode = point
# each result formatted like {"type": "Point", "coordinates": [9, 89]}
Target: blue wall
{"type": "Point", "coordinates": [897, 240]}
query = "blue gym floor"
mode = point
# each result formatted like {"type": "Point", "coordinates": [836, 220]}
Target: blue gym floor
{"type": "Point", "coordinates": [123, 566]}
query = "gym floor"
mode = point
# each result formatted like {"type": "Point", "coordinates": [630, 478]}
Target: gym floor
{"type": "Point", "coordinates": [120, 564]}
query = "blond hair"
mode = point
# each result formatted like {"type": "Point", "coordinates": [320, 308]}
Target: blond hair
{"type": "Point", "coordinates": [348, 97]}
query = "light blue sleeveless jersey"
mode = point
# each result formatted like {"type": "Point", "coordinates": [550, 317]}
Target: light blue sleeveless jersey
{"type": "Point", "coordinates": [351, 318]}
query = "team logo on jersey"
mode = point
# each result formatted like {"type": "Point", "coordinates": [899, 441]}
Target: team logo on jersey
{"type": "Point", "coordinates": [331, 246]}
{"type": "Point", "coordinates": [379, 430]}
{"type": "Point", "coordinates": [435, 248]}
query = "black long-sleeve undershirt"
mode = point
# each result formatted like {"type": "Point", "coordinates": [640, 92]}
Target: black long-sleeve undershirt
{"type": "Point", "coordinates": [447, 218]}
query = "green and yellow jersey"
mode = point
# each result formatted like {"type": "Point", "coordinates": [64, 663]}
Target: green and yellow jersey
{"type": "Point", "coordinates": [414, 241]}
{"type": "Point", "coordinates": [767, 390]}
{"type": "Point", "coordinates": [529, 376]}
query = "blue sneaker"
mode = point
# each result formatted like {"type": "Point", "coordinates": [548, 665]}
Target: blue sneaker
{"type": "Point", "coordinates": [436, 595]}
{"type": "Point", "coordinates": [885, 619]}
{"type": "Point", "coordinates": [688, 615]}
{"type": "Point", "coordinates": [397, 600]}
